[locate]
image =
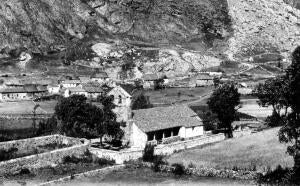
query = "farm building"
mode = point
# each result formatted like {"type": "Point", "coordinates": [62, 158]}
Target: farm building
{"type": "Point", "coordinates": [88, 90]}
{"type": "Point", "coordinates": [24, 92]}
{"type": "Point", "coordinates": [150, 81]}
{"type": "Point", "coordinates": [163, 125]}
{"type": "Point", "coordinates": [99, 77]}
{"type": "Point", "coordinates": [204, 80]}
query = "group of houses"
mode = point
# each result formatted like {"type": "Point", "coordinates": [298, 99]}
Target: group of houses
{"type": "Point", "coordinates": [151, 81]}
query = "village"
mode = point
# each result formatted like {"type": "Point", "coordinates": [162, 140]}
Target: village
{"type": "Point", "coordinates": [175, 121]}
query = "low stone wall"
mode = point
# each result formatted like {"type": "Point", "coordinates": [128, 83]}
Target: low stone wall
{"type": "Point", "coordinates": [26, 145]}
{"type": "Point", "coordinates": [44, 159]}
{"type": "Point", "coordinates": [118, 156]}
{"type": "Point", "coordinates": [167, 149]}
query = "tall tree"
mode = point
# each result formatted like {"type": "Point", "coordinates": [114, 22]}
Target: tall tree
{"type": "Point", "coordinates": [275, 93]}
{"type": "Point", "coordinates": [225, 102]}
{"type": "Point", "coordinates": [290, 132]}
{"type": "Point", "coordinates": [109, 126]}
{"type": "Point", "coordinates": [82, 119]}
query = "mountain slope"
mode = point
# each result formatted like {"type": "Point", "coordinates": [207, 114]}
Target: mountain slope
{"type": "Point", "coordinates": [174, 36]}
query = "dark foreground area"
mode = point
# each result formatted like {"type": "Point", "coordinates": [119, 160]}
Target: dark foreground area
{"type": "Point", "coordinates": [145, 176]}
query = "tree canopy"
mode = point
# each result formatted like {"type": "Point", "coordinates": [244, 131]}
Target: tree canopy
{"type": "Point", "coordinates": [275, 93]}
{"type": "Point", "coordinates": [224, 102]}
{"type": "Point", "coordinates": [82, 119]}
{"type": "Point", "coordinates": [290, 132]}
{"type": "Point", "coordinates": [141, 102]}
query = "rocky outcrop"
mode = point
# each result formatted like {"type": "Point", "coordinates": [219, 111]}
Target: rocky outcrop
{"type": "Point", "coordinates": [263, 26]}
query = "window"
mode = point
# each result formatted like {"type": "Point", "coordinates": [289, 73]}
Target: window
{"type": "Point", "coordinates": [120, 99]}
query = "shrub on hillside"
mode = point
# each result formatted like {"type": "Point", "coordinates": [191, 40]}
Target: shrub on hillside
{"type": "Point", "coordinates": [178, 169]}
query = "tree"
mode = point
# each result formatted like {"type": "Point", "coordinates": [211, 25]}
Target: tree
{"type": "Point", "coordinates": [217, 82]}
{"type": "Point", "coordinates": [78, 118]}
{"type": "Point", "coordinates": [290, 132]}
{"type": "Point", "coordinates": [141, 102]}
{"type": "Point", "coordinates": [274, 92]}
{"type": "Point", "coordinates": [109, 126]}
{"type": "Point", "coordinates": [224, 102]}
{"type": "Point", "coordinates": [82, 119]}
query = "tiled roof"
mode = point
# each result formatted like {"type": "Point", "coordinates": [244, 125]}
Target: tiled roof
{"type": "Point", "coordinates": [13, 90]}
{"type": "Point", "coordinates": [24, 89]}
{"type": "Point", "coordinates": [159, 118]}
{"type": "Point", "coordinates": [92, 89]}
{"type": "Point", "coordinates": [150, 77]}
{"type": "Point", "coordinates": [76, 89]}
{"type": "Point", "coordinates": [204, 77]}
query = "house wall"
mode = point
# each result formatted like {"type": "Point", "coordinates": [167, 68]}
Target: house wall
{"type": "Point", "coordinates": [201, 82]}
{"type": "Point", "coordinates": [182, 132]}
{"type": "Point", "coordinates": [13, 96]}
{"type": "Point", "coordinates": [194, 131]}
{"type": "Point", "coordinates": [138, 138]}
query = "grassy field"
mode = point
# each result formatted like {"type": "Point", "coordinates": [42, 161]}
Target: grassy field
{"type": "Point", "coordinates": [26, 107]}
{"type": "Point", "coordinates": [260, 150]}
{"type": "Point", "coordinates": [176, 95]}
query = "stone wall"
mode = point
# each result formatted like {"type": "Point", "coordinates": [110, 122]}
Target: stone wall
{"type": "Point", "coordinates": [44, 159]}
{"type": "Point", "coordinates": [166, 149]}
{"type": "Point", "coordinates": [162, 149]}
{"type": "Point", "coordinates": [26, 145]}
{"type": "Point", "coordinates": [118, 156]}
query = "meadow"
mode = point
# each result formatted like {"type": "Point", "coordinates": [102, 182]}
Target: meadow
{"type": "Point", "coordinates": [258, 151]}
{"type": "Point", "coordinates": [171, 96]}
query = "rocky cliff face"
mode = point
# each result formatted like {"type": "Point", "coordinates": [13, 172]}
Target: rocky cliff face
{"type": "Point", "coordinates": [181, 34]}
{"type": "Point", "coordinates": [38, 24]}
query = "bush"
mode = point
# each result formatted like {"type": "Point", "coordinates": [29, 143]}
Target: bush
{"type": "Point", "coordinates": [157, 163]}
{"type": "Point", "coordinates": [8, 154]}
{"type": "Point", "coordinates": [278, 176]}
{"type": "Point", "coordinates": [148, 155]}
{"type": "Point", "coordinates": [275, 120]}
{"type": "Point", "coordinates": [179, 169]}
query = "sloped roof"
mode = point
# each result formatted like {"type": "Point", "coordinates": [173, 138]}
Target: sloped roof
{"type": "Point", "coordinates": [150, 77]}
{"type": "Point", "coordinates": [24, 89]}
{"type": "Point", "coordinates": [76, 89]}
{"type": "Point", "coordinates": [13, 90]}
{"type": "Point", "coordinates": [119, 90]}
{"type": "Point", "coordinates": [92, 89]}
{"type": "Point", "coordinates": [204, 77]}
{"type": "Point", "coordinates": [159, 118]}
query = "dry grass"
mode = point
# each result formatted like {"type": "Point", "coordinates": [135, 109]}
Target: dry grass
{"type": "Point", "coordinates": [260, 150]}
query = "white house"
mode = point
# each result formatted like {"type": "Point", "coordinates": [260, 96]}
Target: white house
{"type": "Point", "coordinates": [88, 90]}
{"type": "Point", "coordinates": [163, 124]}
{"type": "Point", "coordinates": [24, 92]}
